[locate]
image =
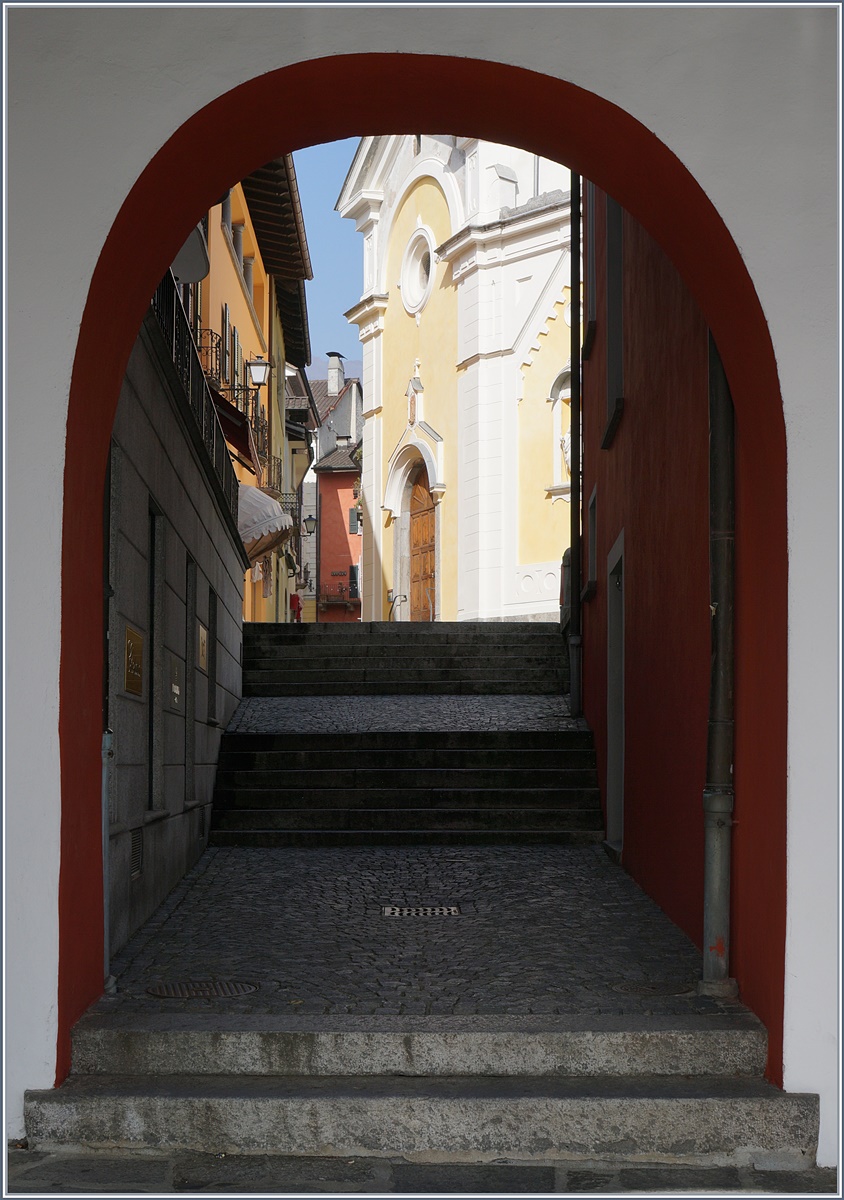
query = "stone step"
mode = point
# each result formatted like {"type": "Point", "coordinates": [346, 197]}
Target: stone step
{"type": "Point", "coordinates": [405, 687]}
{"type": "Point", "coordinates": [257, 631]}
{"type": "Point", "coordinates": [366, 778]}
{"type": "Point", "coordinates": [356, 757]}
{"type": "Point", "coordinates": [703, 1120]}
{"type": "Point", "coordinates": [462, 819]}
{"type": "Point", "coordinates": [181, 1043]}
{"type": "Point", "coordinates": [493, 740]}
{"type": "Point", "coordinates": [316, 799]}
{"type": "Point", "coordinates": [346, 672]}
{"type": "Point", "coordinates": [304, 839]}
{"type": "Point", "coordinates": [410, 652]}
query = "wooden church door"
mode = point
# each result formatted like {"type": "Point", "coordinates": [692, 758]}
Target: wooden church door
{"type": "Point", "coordinates": [423, 568]}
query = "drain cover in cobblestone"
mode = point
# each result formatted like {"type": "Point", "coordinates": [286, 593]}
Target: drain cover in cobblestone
{"type": "Point", "coordinates": [193, 989]}
{"type": "Point", "coordinates": [425, 910]}
{"type": "Point", "coordinates": [642, 987]}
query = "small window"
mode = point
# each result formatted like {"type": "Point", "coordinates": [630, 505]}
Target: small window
{"type": "Point", "coordinates": [212, 657]}
{"type": "Point", "coordinates": [591, 300]}
{"type": "Point", "coordinates": [354, 583]}
{"type": "Point", "coordinates": [615, 320]}
{"type": "Point", "coordinates": [136, 854]}
{"type": "Point", "coordinates": [226, 333]}
{"type": "Point", "coordinates": [591, 546]}
{"type": "Point", "coordinates": [355, 520]}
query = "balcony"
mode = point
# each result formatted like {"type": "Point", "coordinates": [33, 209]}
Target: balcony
{"type": "Point", "coordinates": [248, 401]}
{"type": "Point", "coordinates": [171, 319]}
{"type": "Point", "coordinates": [210, 347]}
{"type": "Point", "coordinates": [331, 594]}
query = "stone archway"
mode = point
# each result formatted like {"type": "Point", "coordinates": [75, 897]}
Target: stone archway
{"type": "Point", "coordinates": [504, 104]}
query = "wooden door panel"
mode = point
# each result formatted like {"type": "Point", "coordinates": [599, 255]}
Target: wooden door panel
{"type": "Point", "coordinates": [422, 551]}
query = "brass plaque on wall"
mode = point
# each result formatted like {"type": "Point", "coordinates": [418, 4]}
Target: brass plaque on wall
{"type": "Point", "coordinates": [133, 672]}
{"type": "Point", "coordinates": [202, 659]}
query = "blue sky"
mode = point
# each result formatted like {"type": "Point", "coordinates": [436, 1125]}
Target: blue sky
{"type": "Point", "coordinates": [336, 251]}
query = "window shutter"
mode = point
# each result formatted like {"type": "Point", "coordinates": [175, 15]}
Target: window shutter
{"type": "Point", "coordinates": [353, 520]}
{"type": "Point", "coordinates": [354, 592]}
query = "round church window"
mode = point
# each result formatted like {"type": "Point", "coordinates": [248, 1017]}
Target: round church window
{"type": "Point", "coordinates": [417, 276]}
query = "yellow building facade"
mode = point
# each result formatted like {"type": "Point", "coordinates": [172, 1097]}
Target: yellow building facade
{"type": "Point", "coordinates": [250, 309]}
{"type": "Point", "coordinates": [465, 322]}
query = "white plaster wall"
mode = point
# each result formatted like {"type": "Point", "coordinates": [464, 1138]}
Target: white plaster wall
{"type": "Point", "coordinates": [747, 99]}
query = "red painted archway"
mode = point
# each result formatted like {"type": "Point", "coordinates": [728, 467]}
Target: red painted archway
{"type": "Point", "coordinates": [322, 100]}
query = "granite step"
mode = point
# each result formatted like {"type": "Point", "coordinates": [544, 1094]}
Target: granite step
{"type": "Point", "coordinates": [571, 1045]}
{"type": "Point", "coordinates": [705, 1120]}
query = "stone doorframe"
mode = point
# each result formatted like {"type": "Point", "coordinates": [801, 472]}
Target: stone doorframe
{"type": "Point", "coordinates": [399, 488]}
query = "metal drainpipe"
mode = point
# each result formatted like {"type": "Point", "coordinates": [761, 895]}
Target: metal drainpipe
{"type": "Point", "coordinates": [718, 793]}
{"type": "Point", "coordinates": [575, 640]}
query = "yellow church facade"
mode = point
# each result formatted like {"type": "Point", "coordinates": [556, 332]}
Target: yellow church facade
{"type": "Point", "coordinates": [465, 324]}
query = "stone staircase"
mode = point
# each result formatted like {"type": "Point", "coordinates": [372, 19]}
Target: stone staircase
{"type": "Point", "coordinates": [406, 788]}
{"type": "Point", "coordinates": [383, 658]}
{"type": "Point", "coordinates": [671, 1084]}
{"type": "Point", "coordinates": [685, 1090]}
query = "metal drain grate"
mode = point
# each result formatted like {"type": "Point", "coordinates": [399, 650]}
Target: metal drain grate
{"type": "Point", "coordinates": [422, 910]}
{"type": "Point", "coordinates": [193, 989]}
{"type": "Point", "coordinates": [654, 988]}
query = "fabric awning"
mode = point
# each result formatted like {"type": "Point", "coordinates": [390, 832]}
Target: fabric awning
{"type": "Point", "coordinates": [237, 431]}
{"type": "Point", "coordinates": [262, 523]}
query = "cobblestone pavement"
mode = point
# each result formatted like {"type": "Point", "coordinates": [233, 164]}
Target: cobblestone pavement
{"type": "Point", "coordinates": [400, 714]}
{"type": "Point", "coordinates": [109, 1172]}
{"type": "Point", "coordinates": [541, 930]}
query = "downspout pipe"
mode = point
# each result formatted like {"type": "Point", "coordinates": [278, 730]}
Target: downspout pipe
{"type": "Point", "coordinates": [718, 794]}
{"type": "Point", "coordinates": [575, 639]}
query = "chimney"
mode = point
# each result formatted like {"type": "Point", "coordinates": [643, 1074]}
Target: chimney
{"type": "Point", "coordinates": [336, 375]}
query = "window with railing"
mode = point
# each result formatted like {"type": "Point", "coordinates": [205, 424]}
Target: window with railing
{"type": "Point", "coordinates": [210, 347]}
{"type": "Point", "coordinates": [173, 322]}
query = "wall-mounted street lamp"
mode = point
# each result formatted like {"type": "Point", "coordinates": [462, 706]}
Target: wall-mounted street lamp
{"type": "Point", "coordinates": [259, 371]}
{"type": "Point", "coordinates": [310, 525]}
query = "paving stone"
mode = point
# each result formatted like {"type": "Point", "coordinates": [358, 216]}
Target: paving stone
{"type": "Point", "coordinates": [544, 929]}
{"type": "Point", "coordinates": [123, 1172]}
{"type": "Point", "coordinates": [421, 1178]}
{"type": "Point", "coordinates": [819, 1180]}
{"type": "Point", "coordinates": [588, 1181]}
{"type": "Point", "coordinates": [662, 1179]}
{"type": "Point", "coordinates": [410, 713]}
{"type": "Point", "coordinates": [167, 1173]}
{"type": "Point", "coordinates": [277, 1174]}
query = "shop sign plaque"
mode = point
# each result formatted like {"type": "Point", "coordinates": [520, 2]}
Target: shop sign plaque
{"type": "Point", "coordinates": [133, 671]}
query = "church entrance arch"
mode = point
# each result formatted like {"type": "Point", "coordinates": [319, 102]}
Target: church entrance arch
{"type": "Point", "coordinates": [501, 103]}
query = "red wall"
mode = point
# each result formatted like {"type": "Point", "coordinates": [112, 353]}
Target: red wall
{"type": "Point", "coordinates": [653, 483]}
{"type": "Point", "coordinates": [338, 549]}
{"type": "Point", "coordinates": [256, 121]}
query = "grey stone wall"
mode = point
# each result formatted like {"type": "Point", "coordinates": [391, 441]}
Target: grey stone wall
{"type": "Point", "coordinates": [169, 554]}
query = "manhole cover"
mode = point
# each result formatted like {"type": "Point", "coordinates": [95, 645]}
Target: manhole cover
{"type": "Point", "coordinates": [653, 988]}
{"type": "Point", "coordinates": [423, 910]}
{"type": "Point", "coordinates": [193, 989]}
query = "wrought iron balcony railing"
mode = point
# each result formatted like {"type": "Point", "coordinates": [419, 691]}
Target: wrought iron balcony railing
{"type": "Point", "coordinates": [338, 593]}
{"type": "Point", "coordinates": [210, 347]}
{"type": "Point", "coordinates": [261, 431]}
{"type": "Point", "coordinates": [168, 310]}
{"type": "Point", "coordinates": [245, 399]}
